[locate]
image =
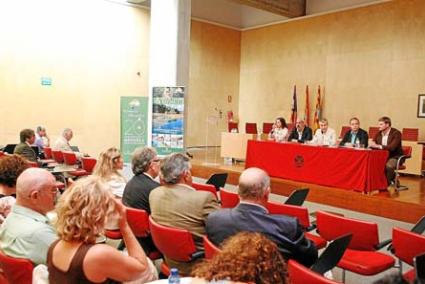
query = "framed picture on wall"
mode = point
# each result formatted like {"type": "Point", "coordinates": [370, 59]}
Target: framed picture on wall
{"type": "Point", "coordinates": [421, 106]}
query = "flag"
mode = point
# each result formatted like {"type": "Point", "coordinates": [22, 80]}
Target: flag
{"type": "Point", "coordinates": [318, 111]}
{"type": "Point", "coordinates": [294, 106]}
{"type": "Point", "coordinates": [307, 107]}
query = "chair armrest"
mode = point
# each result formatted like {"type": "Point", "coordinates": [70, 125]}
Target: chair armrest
{"type": "Point", "coordinates": [401, 160]}
{"type": "Point", "coordinates": [198, 254]}
{"type": "Point", "coordinates": [311, 227]}
{"type": "Point", "coordinates": [383, 244]}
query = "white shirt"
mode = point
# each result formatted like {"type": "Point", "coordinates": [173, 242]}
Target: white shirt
{"type": "Point", "coordinates": [279, 134]}
{"type": "Point", "coordinates": [385, 137]}
{"type": "Point", "coordinates": [327, 138]}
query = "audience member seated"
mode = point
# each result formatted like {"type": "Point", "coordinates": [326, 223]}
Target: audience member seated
{"type": "Point", "coordinates": [27, 138]}
{"type": "Point", "coordinates": [324, 135]}
{"type": "Point", "coordinates": [145, 166]}
{"type": "Point", "coordinates": [389, 139]}
{"type": "Point", "coordinates": [10, 168]}
{"type": "Point", "coordinates": [41, 138]}
{"type": "Point", "coordinates": [75, 257]}
{"type": "Point", "coordinates": [279, 132]}
{"type": "Point", "coordinates": [246, 257]}
{"type": "Point", "coordinates": [108, 168]}
{"type": "Point", "coordinates": [62, 143]}
{"type": "Point", "coordinates": [356, 136]}
{"type": "Point", "coordinates": [26, 232]}
{"type": "Point", "coordinates": [301, 133]}
{"type": "Point", "coordinates": [251, 215]}
{"type": "Point", "coordinates": [177, 204]}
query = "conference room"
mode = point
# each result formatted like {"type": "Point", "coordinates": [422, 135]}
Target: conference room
{"type": "Point", "coordinates": [210, 78]}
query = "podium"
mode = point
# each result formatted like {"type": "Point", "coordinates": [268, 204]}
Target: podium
{"type": "Point", "coordinates": [233, 145]}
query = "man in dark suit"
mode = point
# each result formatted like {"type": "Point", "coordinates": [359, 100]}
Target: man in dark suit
{"type": "Point", "coordinates": [356, 134]}
{"type": "Point", "coordinates": [27, 138]}
{"type": "Point", "coordinates": [251, 215]}
{"type": "Point", "coordinates": [301, 132]}
{"type": "Point", "coordinates": [389, 139]}
{"type": "Point", "coordinates": [145, 166]}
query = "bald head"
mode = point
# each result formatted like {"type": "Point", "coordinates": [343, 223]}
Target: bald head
{"type": "Point", "coordinates": [35, 188]}
{"type": "Point", "coordinates": [254, 184]}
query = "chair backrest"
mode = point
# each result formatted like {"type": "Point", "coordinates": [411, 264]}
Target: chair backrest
{"type": "Point", "coordinates": [205, 187]}
{"type": "Point", "coordinates": [16, 270]}
{"type": "Point", "coordinates": [251, 128]}
{"type": "Point", "coordinates": [2, 154]}
{"type": "Point", "coordinates": [410, 134]}
{"type": "Point", "coordinates": [331, 226]}
{"type": "Point", "coordinates": [267, 127]}
{"type": "Point", "coordinates": [233, 125]}
{"type": "Point", "coordinates": [407, 151]}
{"type": "Point", "coordinates": [32, 164]}
{"type": "Point", "coordinates": [407, 244]}
{"type": "Point", "coordinates": [299, 274]}
{"type": "Point", "coordinates": [297, 197]}
{"type": "Point", "coordinates": [373, 130]}
{"type": "Point", "coordinates": [295, 211]}
{"type": "Point", "coordinates": [47, 152]}
{"type": "Point", "coordinates": [344, 129]}
{"type": "Point", "coordinates": [210, 248]}
{"type": "Point", "coordinates": [218, 180]}
{"type": "Point", "coordinates": [88, 163]}
{"type": "Point", "coordinates": [331, 255]}
{"type": "Point", "coordinates": [176, 244]}
{"type": "Point", "coordinates": [57, 156]}
{"type": "Point", "coordinates": [69, 158]}
{"type": "Point", "coordinates": [290, 126]}
{"type": "Point", "coordinates": [228, 199]}
{"type": "Point", "coordinates": [138, 220]}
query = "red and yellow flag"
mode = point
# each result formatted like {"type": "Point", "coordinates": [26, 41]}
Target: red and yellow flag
{"type": "Point", "coordinates": [318, 110]}
{"type": "Point", "coordinates": [294, 106]}
{"type": "Point", "coordinates": [307, 107]}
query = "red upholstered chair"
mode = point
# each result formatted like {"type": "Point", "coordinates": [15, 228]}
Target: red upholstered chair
{"type": "Point", "coordinates": [233, 125]}
{"type": "Point", "coordinates": [57, 156]}
{"type": "Point", "coordinates": [299, 274]}
{"type": "Point", "coordinates": [410, 134]}
{"type": "Point", "coordinates": [70, 159]}
{"type": "Point", "coordinates": [290, 126]}
{"type": "Point", "coordinates": [48, 153]}
{"type": "Point", "coordinates": [407, 154]}
{"type": "Point", "coordinates": [205, 187]}
{"type": "Point", "coordinates": [303, 218]}
{"type": "Point", "coordinates": [406, 246]}
{"type": "Point", "coordinates": [361, 255]}
{"type": "Point", "coordinates": [251, 128]}
{"type": "Point", "coordinates": [32, 164]}
{"type": "Point", "coordinates": [16, 270]}
{"type": "Point", "coordinates": [373, 131]}
{"type": "Point", "coordinates": [344, 129]}
{"type": "Point", "coordinates": [88, 163]}
{"type": "Point", "coordinates": [2, 154]}
{"type": "Point", "coordinates": [210, 248]}
{"type": "Point", "coordinates": [267, 127]}
{"type": "Point", "coordinates": [176, 244]}
{"type": "Point", "coordinates": [228, 199]}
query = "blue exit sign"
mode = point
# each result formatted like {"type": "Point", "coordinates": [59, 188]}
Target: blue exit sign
{"type": "Point", "coordinates": [46, 81]}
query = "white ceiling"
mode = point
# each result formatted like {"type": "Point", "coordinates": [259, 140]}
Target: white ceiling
{"type": "Point", "coordinates": [241, 17]}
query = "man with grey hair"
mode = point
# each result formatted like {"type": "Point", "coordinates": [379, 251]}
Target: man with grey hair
{"type": "Point", "coordinates": [251, 215]}
{"type": "Point", "coordinates": [41, 138]}
{"type": "Point", "coordinates": [177, 204]}
{"type": "Point", "coordinates": [26, 232]}
{"type": "Point", "coordinates": [62, 143]}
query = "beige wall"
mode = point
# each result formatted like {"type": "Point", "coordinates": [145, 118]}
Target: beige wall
{"type": "Point", "coordinates": [214, 75]}
{"type": "Point", "coordinates": [371, 62]}
{"type": "Point", "coordinates": [92, 50]}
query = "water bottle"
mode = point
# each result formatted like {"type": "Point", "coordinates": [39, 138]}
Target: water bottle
{"type": "Point", "coordinates": [357, 143]}
{"type": "Point", "coordinates": [174, 277]}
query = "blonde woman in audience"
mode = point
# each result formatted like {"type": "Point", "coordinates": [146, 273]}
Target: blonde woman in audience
{"type": "Point", "coordinates": [75, 257]}
{"type": "Point", "coordinates": [108, 168]}
{"type": "Point", "coordinates": [10, 168]}
{"type": "Point", "coordinates": [261, 263]}
{"type": "Point", "coordinates": [279, 132]}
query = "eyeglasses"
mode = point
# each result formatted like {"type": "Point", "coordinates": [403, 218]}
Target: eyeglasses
{"type": "Point", "coordinates": [156, 160]}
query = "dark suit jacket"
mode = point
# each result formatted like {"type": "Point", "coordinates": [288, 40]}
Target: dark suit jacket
{"type": "Point", "coordinates": [306, 136]}
{"type": "Point", "coordinates": [25, 151]}
{"type": "Point", "coordinates": [393, 143]}
{"type": "Point", "coordinates": [285, 231]}
{"type": "Point", "coordinates": [137, 191]}
{"type": "Point", "coordinates": [361, 135]}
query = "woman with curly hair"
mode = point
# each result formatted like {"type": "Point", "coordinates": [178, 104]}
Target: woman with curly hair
{"type": "Point", "coordinates": [75, 257]}
{"type": "Point", "coordinates": [279, 131]}
{"type": "Point", "coordinates": [246, 257]}
{"type": "Point", "coordinates": [10, 168]}
{"type": "Point", "coordinates": [108, 168]}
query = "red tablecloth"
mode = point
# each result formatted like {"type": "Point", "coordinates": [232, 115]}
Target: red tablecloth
{"type": "Point", "coordinates": [357, 169]}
